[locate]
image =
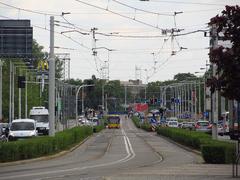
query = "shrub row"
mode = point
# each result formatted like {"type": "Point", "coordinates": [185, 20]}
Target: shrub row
{"type": "Point", "coordinates": [136, 121]}
{"type": "Point", "coordinates": [45, 145]}
{"type": "Point", "coordinates": [213, 151]}
{"type": "Point", "coordinates": [146, 126]}
{"type": "Point", "coordinates": [97, 129]}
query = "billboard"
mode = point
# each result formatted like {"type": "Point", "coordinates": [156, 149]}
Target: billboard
{"type": "Point", "coordinates": [141, 107]}
{"type": "Point", "coordinates": [16, 38]}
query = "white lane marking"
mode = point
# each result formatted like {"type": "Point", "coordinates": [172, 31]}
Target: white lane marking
{"type": "Point", "coordinates": [130, 155]}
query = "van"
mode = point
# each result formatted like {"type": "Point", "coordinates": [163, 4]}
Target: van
{"type": "Point", "coordinates": [22, 129]}
{"type": "Point", "coordinates": [40, 115]}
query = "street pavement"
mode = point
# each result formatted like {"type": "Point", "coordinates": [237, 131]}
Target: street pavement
{"type": "Point", "coordinates": [121, 154]}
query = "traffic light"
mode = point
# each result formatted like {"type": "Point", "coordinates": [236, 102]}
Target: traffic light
{"type": "Point", "coordinates": [21, 81]}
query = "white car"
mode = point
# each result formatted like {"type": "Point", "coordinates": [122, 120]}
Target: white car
{"type": "Point", "coordinates": [22, 129]}
{"type": "Point", "coordinates": [94, 121]}
{"type": "Point", "coordinates": [173, 124]}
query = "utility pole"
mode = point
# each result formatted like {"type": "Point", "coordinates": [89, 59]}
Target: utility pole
{"type": "Point", "coordinates": [125, 97]}
{"type": "Point", "coordinates": [82, 100]}
{"type": "Point", "coordinates": [51, 94]}
{"type": "Point", "coordinates": [199, 97]}
{"type": "Point", "coordinates": [106, 104]}
{"type": "Point", "coordinates": [10, 93]}
{"type": "Point", "coordinates": [215, 95]}
{"type": "Point", "coordinates": [103, 96]}
{"type": "Point", "coordinates": [26, 99]}
{"type": "Point", "coordinates": [19, 102]}
{"type": "Point", "coordinates": [195, 99]}
{"type": "Point", "coordinates": [1, 64]}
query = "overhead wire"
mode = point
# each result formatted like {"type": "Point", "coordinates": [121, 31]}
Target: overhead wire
{"type": "Point", "coordinates": [113, 12]}
{"type": "Point", "coordinates": [142, 10]}
{"type": "Point", "coordinates": [73, 40]}
{"type": "Point", "coordinates": [75, 26]}
{"type": "Point", "coordinates": [185, 2]}
{"type": "Point", "coordinates": [28, 10]}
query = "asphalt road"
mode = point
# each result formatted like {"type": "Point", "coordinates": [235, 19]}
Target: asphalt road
{"type": "Point", "coordinates": [121, 154]}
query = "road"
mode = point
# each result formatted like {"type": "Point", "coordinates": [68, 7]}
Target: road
{"type": "Point", "coordinates": [121, 154]}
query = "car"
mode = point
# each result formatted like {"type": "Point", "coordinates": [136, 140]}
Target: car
{"type": "Point", "coordinates": [223, 128]}
{"type": "Point", "coordinates": [82, 120]}
{"type": "Point", "coordinates": [188, 125]}
{"type": "Point", "coordinates": [94, 121]}
{"type": "Point", "coordinates": [203, 126]}
{"type": "Point", "coordinates": [22, 129]}
{"type": "Point", "coordinates": [172, 119]}
{"type": "Point", "coordinates": [173, 124]}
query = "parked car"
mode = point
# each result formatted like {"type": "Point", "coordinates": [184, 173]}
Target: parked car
{"type": "Point", "coordinates": [22, 129]}
{"type": "Point", "coordinates": [172, 124]}
{"type": "Point", "coordinates": [82, 120]}
{"type": "Point", "coordinates": [203, 126]}
{"type": "Point", "coordinates": [223, 128]}
{"type": "Point", "coordinates": [188, 125]}
{"type": "Point", "coordinates": [172, 119]}
{"type": "Point", "coordinates": [94, 121]}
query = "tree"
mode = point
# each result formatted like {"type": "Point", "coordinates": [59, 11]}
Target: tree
{"type": "Point", "coordinates": [227, 59]}
{"type": "Point", "coordinates": [184, 76]}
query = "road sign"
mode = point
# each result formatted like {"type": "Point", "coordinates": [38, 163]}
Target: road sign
{"type": "Point", "coordinates": [16, 37]}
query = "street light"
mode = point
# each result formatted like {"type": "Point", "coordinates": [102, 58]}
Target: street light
{"type": "Point", "coordinates": [84, 85]}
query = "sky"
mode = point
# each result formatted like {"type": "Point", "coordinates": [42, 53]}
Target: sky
{"type": "Point", "coordinates": [140, 50]}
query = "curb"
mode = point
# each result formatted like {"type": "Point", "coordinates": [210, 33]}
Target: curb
{"type": "Point", "coordinates": [48, 157]}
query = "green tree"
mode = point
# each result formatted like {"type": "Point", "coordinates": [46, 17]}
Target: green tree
{"type": "Point", "coordinates": [184, 76]}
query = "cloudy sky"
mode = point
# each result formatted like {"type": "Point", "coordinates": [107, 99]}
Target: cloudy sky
{"type": "Point", "coordinates": [132, 29]}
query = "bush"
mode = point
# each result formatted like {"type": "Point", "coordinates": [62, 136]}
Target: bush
{"type": "Point", "coordinates": [189, 138]}
{"type": "Point", "coordinates": [146, 126]}
{"type": "Point", "coordinates": [213, 151]}
{"type": "Point", "coordinates": [136, 121]}
{"type": "Point", "coordinates": [218, 152]}
{"type": "Point", "coordinates": [39, 146]}
{"type": "Point", "coordinates": [97, 129]}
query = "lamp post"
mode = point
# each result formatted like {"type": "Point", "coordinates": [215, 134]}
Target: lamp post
{"type": "Point", "coordinates": [76, 109]}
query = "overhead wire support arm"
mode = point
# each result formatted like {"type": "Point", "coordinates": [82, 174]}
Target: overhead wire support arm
{"type": "Point", "coordinates": [75, 31]}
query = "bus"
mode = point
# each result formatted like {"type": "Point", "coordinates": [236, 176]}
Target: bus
{"type": "Point", "coordinates": [113, 121]}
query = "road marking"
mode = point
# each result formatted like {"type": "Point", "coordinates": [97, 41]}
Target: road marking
{"type": "Point", "coordinates": [130, 155]}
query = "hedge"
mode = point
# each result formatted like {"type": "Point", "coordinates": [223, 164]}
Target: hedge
{"type": "Point", "coordinates": [97, 129]}
{"type": "Point", "coordinates": [213, 151]}
{"type": "Point", "coordinates": [218, 152]}
{"type": "Point", "coordinates": [45, 145]}
{"type": "Point", "coordinates": [146, 126]}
